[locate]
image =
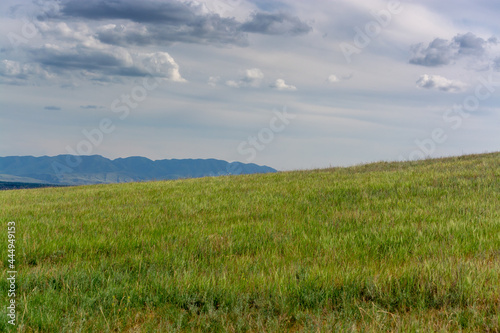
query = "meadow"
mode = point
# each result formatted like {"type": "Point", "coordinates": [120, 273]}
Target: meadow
{"type": "Point", "coordinates": [401, 247]}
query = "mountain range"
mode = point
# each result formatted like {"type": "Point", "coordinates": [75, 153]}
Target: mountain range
{"type": "Point", "coordinates": [96, 169]}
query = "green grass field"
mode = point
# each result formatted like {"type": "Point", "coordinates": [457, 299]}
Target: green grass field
{"type": "Point", "coordinates": [403, 247]}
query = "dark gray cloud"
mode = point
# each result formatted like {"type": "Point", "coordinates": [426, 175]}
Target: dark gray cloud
{"type": "Point", "coordinates": [441, 52]}
{"type": "Point", "coordinates": [52, 108]}
{"type": "Point", "coordinates": [102, 64]}
{"type": "Point", "coordinates": [171, 12]}
{"type": "Point", "coordinates": [206, 30]}
{"type": "Point", "coordinates": [496, 64]}
{"type": "Point", "coordinates": [151, 23]}
{"type": "Point", "coordinates": [156, 23]}
{"type": "Point", "coordinates": [275, 24]}
{"type": "Point", "coordinates": [470, 44]}
{"type": "Point", "coordinates": [91, 107]}
{"type": "Point", "coordinates": [84, 58]}
{"type": "Point", "coordinates": [112, 61]}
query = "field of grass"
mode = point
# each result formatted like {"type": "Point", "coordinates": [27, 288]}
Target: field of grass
{"type": "Point", "coordinates": [411, 247]}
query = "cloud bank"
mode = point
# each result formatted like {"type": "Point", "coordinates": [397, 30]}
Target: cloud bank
{"type": "Point", "coordinates": [161, 23]}
{"type": "Point", "coordinates": [105, 41]}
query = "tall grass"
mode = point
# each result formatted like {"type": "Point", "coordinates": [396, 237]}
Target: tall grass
{"type": "Point", "coordinates": [409, 246]}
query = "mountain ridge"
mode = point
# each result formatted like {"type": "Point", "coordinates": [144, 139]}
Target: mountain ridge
{"type": "Point", "coordinates": [95, 169]}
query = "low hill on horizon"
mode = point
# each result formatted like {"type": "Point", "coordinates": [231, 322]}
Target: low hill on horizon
{"type": "Point", "coordinates": [96, 169]}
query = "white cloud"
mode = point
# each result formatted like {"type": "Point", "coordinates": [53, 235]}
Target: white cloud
{"type": "Point", "coordinates": [212, 81]}
{"type": "Point", "coordinates": [10, 68]}
{"type": "Point", "coordinates": [251, 78]}
{"type": "Point", "coordinates": [108, 64]}
{"type": "Point", "coordinates": [280, 84]}
{"type": "Point", "coordinates": [253, 74]}
{"type": "Point", "coordinates": [226, 8]}
{"type": "Point", "coordinates": [440, 83]}
{"type": "Point", "coordinates": [79, 32]}
{"type": "Point", "coordinates": [15, 72]}
{"type": "Point", "coordinates": [232, 83]}
{"type": "Point", "coordinates": [163, 65]}
{"type": "Point", "coordinates": [69, 50]}
{"type": "Point", "coordinates": [333, 78]}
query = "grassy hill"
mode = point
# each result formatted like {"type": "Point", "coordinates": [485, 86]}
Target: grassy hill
{"type": "Point", "coordinates": [409, 246]}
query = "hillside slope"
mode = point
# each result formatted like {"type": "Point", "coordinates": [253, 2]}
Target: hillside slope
{"type": "Point", "coordinates": [381, 247]}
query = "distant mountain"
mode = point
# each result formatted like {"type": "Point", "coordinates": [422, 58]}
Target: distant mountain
{"type": "Point", "coordinates": [18, 186]}
{"type": "Point", "coordinates": [95, 169]}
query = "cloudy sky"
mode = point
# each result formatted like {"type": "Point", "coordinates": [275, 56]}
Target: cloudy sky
{"type": "Point", "coordinates": [290, 84]}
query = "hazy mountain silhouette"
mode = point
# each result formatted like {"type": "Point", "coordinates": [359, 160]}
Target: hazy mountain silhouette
{"type": "Point", "coordinates": [95, 169]}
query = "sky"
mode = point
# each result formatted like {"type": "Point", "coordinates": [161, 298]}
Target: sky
{"type": "Point", "coordinates": [289, 84]}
